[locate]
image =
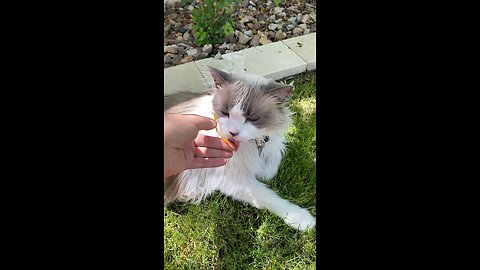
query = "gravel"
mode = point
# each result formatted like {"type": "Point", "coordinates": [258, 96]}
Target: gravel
{"type": "Point", "coordinates": [255, 23]}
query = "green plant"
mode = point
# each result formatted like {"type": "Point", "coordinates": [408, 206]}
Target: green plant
{"type": "Point", "coordinates": [277, 2]}
{"type": "Point", "coordinates": [212, 21]}
{"type": "Point", "coordinates": [184, 3]}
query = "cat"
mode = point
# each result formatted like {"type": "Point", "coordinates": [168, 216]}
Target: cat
{"type": "Point", "coordinates": [251, 110]}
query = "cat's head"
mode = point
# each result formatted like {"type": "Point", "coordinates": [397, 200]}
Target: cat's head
{"type": "Point", "coordinates": [249, 106]}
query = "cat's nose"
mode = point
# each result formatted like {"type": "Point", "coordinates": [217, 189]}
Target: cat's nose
{"type": "Point", "coordinates": [233, 134]}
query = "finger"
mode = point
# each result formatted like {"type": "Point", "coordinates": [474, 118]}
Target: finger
{"type": "Point", "coordinates": [200, 162]}
{"type": "Point", "coordinates": [212, 153]}
{"type": "Point", "coordinates": [202, 123]}
{"type": "Point", "coordinates": [212, 142]}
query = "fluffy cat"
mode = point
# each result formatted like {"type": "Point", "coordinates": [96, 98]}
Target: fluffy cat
{"type": "Point", "coordinates": [251, 111]}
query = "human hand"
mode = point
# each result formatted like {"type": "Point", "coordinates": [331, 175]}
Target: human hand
{"type": "Point", "coordinates": [186, 149]}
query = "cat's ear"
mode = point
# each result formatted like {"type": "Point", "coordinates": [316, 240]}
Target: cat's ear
{"type": "Point", "coordinates": [219, 76]}
{"type": "Point", "coordinates": [279, 92]}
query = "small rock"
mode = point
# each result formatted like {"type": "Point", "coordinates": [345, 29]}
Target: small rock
{"type": "Point", "coordinates": [297, 31]}
{"type": "Point", "coordinates": [167, 59]}
{"type": "Point", "coordinates": [299, 18]}
{"type": "Point", "coordinates": [251, 3]}
{"type": "Point", "coordinates": [290, 27]}
{"type": "Point", "coordinates": [279, 35]}
{"type": "Point", "coordinates": [245, 3]}
{"type": "Point", "coordinates": [182, 29]}
{"type": "Point", "coordinates": [277, 10]}
{"type": "Point", "coordinates": [244, 20]}
{"type": "Point", "coordinates": [207, 48]}
{"type": "Point", "coordinates": [177, 26]}
{"type": "Point", "coordinates": [190, 8]}
{"type": "Point", "coordinates": [307, 31]}
{"type": "Point", "coordinates": [192, 52]}
{"type": "Point", "coordinates": [292, 20]}
{"type": "Point", "coordinates": [180, 45]}
{"type": "Point", "coordinates": [237, 47]}
{"type": "Point", "coordinates": [171, 49]}
{"type": "Point", "coordinates": [281, 14]}
{"type": "Point", "coordinates": [305, 18]}
{"type": "Point", "coordinates": [223, 46]}
{"type": "Point", "coordinates": [186, 36]}
{"type": "Point", "coordinates": [179, 38]}
{"type": "Point", "coordinates": [279, 21]}
{"type": "Point", "coordinates": [250, 25]}
{"type": "Point", "coordinates": [303, 26]}
{"type": "Point", "coordinates": [256, 26]}
{"type": "Point", "coordinates": [187, 59]}
{"type": "Point", "coordinates": [264, 40]}
{"type": "Point", "coordinates": [176, 59]}
{"type": "Point", "coordinates": [271, 18]}
{"type": "Point", "coordinates": [231, 39]}
{"type": "Point", "coordinates": [272, 26]}
{"type": "Point", "coordinates": [230, 46]}
{"type": "Point", "coordinates": [201, 55]}
{"type": "Point", "coordinates": [249, 33]}
{"type": "Point", "coordinates": [255, 41]}
{"type": "Point", "coordinates": [243, 39]}
{"type": "Point", "coordinates": [218, 56]}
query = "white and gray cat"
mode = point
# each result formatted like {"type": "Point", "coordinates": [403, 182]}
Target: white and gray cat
{"type": "Point", "coordinates": [250, 110]}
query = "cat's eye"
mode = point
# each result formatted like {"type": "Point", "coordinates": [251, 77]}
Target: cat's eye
{"type": "Point", "coordinates": [252, 119]}
{"type": "Point", "coordinates": [224, 113]}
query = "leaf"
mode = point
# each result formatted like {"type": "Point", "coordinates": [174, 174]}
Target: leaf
{"type": "Point", "coordinates": [203, 35]}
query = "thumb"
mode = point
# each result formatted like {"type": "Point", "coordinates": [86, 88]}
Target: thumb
{"type": "Point", "coordinates": [202, 123]}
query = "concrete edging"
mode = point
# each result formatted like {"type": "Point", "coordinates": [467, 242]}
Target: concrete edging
{"type": "Point", "coordinates": [275, 60]}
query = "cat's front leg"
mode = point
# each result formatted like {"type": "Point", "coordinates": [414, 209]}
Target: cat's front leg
{"type": "Point", "coordinates": [271, 156]}
{"type": "Point", "coordinates": [260, 196]}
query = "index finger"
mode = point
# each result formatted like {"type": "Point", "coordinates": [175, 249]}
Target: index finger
{"type": "Point", "coordinates": [212, 142]}
{"type": "Point", "coordinates": [201, 122]}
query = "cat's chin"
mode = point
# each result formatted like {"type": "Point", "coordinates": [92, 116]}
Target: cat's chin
{"type": "Point", "coordinates": [235, 142]}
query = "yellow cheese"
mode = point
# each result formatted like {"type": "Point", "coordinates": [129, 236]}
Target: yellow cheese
{"type": "Point", "coordinates": [223, 138]}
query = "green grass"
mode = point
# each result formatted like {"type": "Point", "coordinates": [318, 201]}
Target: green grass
{"type": "Point", "coordinates": [224, 234]}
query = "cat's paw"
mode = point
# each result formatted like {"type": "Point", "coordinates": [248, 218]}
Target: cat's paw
{"type": "Point", "coordinates": [270, 173]}
{"type": "Point", "coordinates": [300, 219]}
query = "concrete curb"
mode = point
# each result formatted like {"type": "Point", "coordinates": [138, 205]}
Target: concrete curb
{"type": "Point", "coordinates": [274, 60]}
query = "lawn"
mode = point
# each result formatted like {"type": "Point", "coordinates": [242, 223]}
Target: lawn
{"type": "Point", "coordinates": [221, 233]}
